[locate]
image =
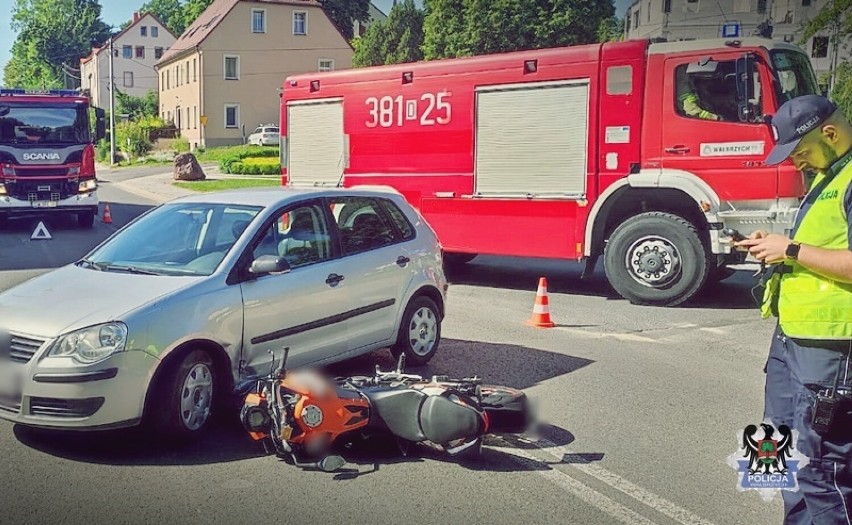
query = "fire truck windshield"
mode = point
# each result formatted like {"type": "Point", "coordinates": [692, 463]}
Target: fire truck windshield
{"type": "Point", "coordinates": [794, 75]}
{"type": "Point", "coordinates": [22, 123]}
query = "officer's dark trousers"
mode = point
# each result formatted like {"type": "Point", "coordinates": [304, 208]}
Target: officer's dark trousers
{"type": "Point", "coordinates": [825, 485]}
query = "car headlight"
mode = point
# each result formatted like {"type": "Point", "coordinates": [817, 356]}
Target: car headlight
{"type": "Point", "coordinates": [88, 185]}
{"type": "Point", "coordinates": [92, 344]}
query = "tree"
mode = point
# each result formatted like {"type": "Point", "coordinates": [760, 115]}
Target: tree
{"type": "Point", "coordinates": [835, 20]}
{"type": "Point", "coordinates": [444, 29]}
{"type": "Point", "coordinates": [393, 41]}
{"type": "Point", "coordinates": [137, 107]}
{"type": "Point", "coordinates": [52, 33]}
{"type": "Point", "coordinates": [611, 29]}
{"type": "Point", "coordinates": [191, 11]}
{"type": "Point", "coordinates": [473, 27]}
{"type": "Point", "coordinates": [344, 14]}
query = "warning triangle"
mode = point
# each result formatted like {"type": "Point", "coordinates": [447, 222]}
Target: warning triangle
{"type": "Point", "coordinates": [40, 232]}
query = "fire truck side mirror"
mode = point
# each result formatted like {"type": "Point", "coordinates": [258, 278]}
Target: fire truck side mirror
{"type": "Point", "coordinates": [745, 88]}
{"type": "Point", "coordinates": [100, 124]}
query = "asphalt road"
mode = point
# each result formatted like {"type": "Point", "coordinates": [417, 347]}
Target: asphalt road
{"type": "Point", "coordinates": [639, 409]}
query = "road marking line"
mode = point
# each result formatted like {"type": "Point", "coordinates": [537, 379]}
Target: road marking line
{"type": "Point", "coordinates": [632, 338]}
{"type": "Point", "coordinates": [575, 487]}
{"type": "Point", "coordinates": [650, 499]}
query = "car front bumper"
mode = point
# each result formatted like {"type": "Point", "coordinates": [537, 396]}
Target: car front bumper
{"type": "Point", "coordinates": [54, 393]}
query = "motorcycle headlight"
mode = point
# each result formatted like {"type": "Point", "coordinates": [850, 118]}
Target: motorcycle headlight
{"type": "Point", "coordinates": [92, 344]}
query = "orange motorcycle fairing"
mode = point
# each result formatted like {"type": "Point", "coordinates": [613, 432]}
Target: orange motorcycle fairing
{"type": "Point", "coordinates": [325, 411]}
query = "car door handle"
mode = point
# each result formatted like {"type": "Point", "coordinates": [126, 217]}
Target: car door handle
{"type": "Point", "coordinates": [333, 279]}
{"type": "Point", "coordinates": [402, 260]}
{"type": "Point", "coordinates": [679, 149]}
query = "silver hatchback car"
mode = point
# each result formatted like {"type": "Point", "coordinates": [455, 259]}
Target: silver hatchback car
{"type": "Point", "coordinates": [188, 304]}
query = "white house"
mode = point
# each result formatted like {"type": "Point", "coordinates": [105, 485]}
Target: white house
{"type": "Point", "coordinates": [135, 51]}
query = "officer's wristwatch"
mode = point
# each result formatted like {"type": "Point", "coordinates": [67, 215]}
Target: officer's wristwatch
{"type": "Point", "coordinates": [792, 251]}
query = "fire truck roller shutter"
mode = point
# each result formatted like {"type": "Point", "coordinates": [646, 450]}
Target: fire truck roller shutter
{"type": "Point", "coordinates": [532, 139]}
{"type": "Point", "coordinates": [315, 142]}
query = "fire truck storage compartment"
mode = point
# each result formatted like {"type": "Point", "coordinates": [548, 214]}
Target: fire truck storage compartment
{"type": "Point", "coordinates": [316, 146]}
{"type": "Point", "coordinates": [531, 139]}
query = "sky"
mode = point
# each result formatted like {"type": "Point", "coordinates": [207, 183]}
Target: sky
{"type": "Point", "coordinates": [117, 12]}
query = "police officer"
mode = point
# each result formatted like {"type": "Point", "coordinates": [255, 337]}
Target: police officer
{"type": "Point", "coordinates": [810, 290]}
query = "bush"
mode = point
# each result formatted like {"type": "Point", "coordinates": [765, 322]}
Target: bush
{"type": "Point", "coordinates": [102, 151]}
{"type": "Point", "coordinates": [181, 145]}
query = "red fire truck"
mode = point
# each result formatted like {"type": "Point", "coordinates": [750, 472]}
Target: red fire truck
{"type": "Point", "coordinates": [47, 156]}
{"type": "Point", "coordinates": [635, 151]}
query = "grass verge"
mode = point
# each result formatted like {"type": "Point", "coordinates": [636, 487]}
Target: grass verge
{"type": "Point", "coordinates": [227, 184]}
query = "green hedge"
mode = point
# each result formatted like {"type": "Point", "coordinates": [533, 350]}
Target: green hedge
{"type": "Point", "coordinates": [241, 168]}
{"type": "Point", "coordinates": [233, 162]}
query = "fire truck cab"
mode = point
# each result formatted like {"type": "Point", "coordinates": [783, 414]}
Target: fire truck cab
{"type": "Point", "coordinates": [47, 155]}
{"type": "Point", "coordinates": [635, 151]}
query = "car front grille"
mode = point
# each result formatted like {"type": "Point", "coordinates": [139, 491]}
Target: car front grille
{"type": "Point", "coordinates": [71, 408]}
{"type": "Point", "coordinates": [23, 348]}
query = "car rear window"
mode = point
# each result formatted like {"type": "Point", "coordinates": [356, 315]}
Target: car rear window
{"type": "Point", "coordinates": [399, 219]}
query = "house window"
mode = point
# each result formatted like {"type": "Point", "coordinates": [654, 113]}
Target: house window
{"type": "Point", "coordinates": [258, 21]}
{"type": "Point", "coordinates": [195, 117]}
{"type": "Point", "coordinates": [819, 47]}
{"type": "Point", "coordinates": [761, 6]}
{"type": "Point", "coordinates": [326, 64]}
{"type": "Point", "coordinates": [168, 79]}
{"type": "Point", "coordinates": [300, 22]}
{"type": "Point", "coordinates": [232, 115]}
{"type": "Point", "coordinates": [806, 3]}
{"type": "Point", "coordinates": [636, 19]}
{"type": "Point", "coordinates": [155, 31]}
{"type": "Point", "coordinates": [194, 71]}
{"type": "Point", "coordinates": [187, 74]}
{"type": "Point", "coordinates": [648, 13]}
{"type": "Point", "coordinates": [128, 79]}
{"type": "Point", "coordinates": [232, 67]}
{"type": "Point", "coordinates": [143, 30]}
{"type": "Point", "coordinates": [667, 6]}
{"type": "Point", "coordinates": [140, 51]}
{"type": "Point", "coordinates": [115, 53]}
{"type": "Point", "coordinates": [127, 51]}
{"type": "Point", "coordinates": [158, 53]}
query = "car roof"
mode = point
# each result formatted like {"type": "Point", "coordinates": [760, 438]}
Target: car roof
{"type": "Point", "coordinates": [275, 197]}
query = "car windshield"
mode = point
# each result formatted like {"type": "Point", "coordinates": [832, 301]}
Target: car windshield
{"type": "Point", "coordinates": [271, 130]}
{"type": "Point", "coordinates": [795, 77]}
{"type": "Point", "coordinates": [43, 123]}
{"type": "Point", "coordinates": [175, 239]}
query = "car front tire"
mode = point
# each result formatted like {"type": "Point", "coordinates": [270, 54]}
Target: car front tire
{"type": "Point", "coordinates": [184, 398]}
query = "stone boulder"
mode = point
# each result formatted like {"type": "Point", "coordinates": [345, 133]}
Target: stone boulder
{"type": "Point", "coordinates": [187, 168]}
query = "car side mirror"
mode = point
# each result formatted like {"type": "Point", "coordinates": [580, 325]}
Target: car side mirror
{"type": "Point", "coordinates": [266, 264]}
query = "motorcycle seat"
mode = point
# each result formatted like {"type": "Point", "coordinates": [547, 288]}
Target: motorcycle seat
{"type": "Point", "coordinates": [443, 420]}
{"type": "Point", "coordinates": [399, 409]}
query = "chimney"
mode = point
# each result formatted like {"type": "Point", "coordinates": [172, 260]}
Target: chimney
{"type": "Point", "coordinates": [135, 16]}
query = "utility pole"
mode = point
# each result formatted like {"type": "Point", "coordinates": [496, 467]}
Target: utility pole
{"type": "Point", "coordinates": [834, 43]}
{"type": "Point", "coordinates": [111, 107]}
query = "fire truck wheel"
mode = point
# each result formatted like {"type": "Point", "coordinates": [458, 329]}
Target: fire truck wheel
{"type": "Point", "coordinates": [86, 219]}
{"type": "Point", "coordinates": [656, 258]}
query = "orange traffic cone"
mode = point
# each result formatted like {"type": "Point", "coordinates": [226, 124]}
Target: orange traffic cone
{"type": "Point", "coordinates": [107, 217]}
{"type": "Point", "coordinates": [541, 310]}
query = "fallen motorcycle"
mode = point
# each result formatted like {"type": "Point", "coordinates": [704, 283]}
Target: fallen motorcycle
{"type": "Point", "coordinates": [304, 413]}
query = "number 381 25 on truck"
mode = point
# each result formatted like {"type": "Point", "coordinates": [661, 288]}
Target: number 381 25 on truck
{"type": "Point", "coordinates": [637, 152]}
